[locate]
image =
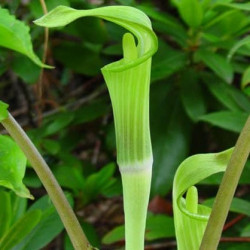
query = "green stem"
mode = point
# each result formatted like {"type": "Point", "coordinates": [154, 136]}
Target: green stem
{"type": "Point", "coordinates": [226, 191]}
{"type": "Point", "coordinates": [136, 189]}
{"type": "Point", "coordinates": [55, 192]}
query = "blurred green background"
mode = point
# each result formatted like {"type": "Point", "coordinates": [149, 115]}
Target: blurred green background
{"type": "Point", "coordinates": [199, 103]}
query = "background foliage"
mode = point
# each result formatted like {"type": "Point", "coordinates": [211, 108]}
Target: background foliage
{"type": "Point", "coordinates": [199, 103]}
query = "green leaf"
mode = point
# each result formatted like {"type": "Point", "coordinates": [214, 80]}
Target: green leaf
{"type": "Point", "coordinates": [97, 182]}
{"type": "Point", "coordinates": [51, 146]}
{"type": "Point", "coordinates": [3, 110]}
{"type": "Point", "coordinates": [114, 235]}
{"type": "Point", "coordinates": [217, 63]}
{"type": "Point", "coordinates": [170, 138]}
{"type": "Point", "coordinates": [89, 29]}
{"type": "Point", "coordinates": [191, 95]}
{"type": "Point", "coordinates": [74, 180]}
{"type": "Point", "coordinates": [12, 167]}
{"type": "Point", "coordinates": [166, 24]}
{"type": "Point", "coordinates": [90, 112]}
{"type": "Point", "coordinates": [25, 69]}
{"type": "Point", "coordinates": [49, 226]}
{"type": "Point", "coordinates": [245, 78]}
{"type": "Point", "coordinates": [240, 6]}
{"type": "Point", "coordinates": [166, 62]}
{"type": "Point", "coordinates": [228, 95]}
{"type": "Point", "coordinates": [19, 207]}
{"type": "Point", "coordinates": [68, 54]}
{"type": "Point", "coordinates": [191, 12]}
{"type": "Point", "coordinates": [229, 120]}
{"type": "Point", "coordinates": [5, 212]}
{"type": "Point", "coordinates": [190, 225]}
{"type": "Point", "coordinates": [15, 36]}
{"type": "Point", "coordinates": [222, 24]}
{"type": "Point", "coordinates": [59, 122]}
{"type": "Point", "coordinates": [158, 227]}
{"type": "Point", "coordinates": [239, 44]}
{"type": "Point", "coordinates": [20, 229]}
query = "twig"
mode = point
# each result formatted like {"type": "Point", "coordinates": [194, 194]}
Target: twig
{"type": "Point", "coordinates": [233, 222]}
{"type": "Point", "coordinates": [235, 239]}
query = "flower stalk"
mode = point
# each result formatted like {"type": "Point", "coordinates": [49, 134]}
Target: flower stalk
{"type": "Point", "coordinates": [128, 83]}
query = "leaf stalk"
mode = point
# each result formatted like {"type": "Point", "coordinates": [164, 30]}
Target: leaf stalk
{"type": "Point", "coordinates": [77, 236]}
{"type": "Point", "coordinates": [226, 190]}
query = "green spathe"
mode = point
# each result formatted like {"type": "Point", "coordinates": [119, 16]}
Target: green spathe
{"type": "Point", "coordinates": [191, 218]}
{"type": "Point", "coordinates": [128, 83]}
{"type": "Point", "coordinates": [129, 92]}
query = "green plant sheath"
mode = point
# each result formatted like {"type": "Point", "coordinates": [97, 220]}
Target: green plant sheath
{"type": "Point", "coordinates": [190, 218]}
{"type": "Point", "coordinates": [128, 83]}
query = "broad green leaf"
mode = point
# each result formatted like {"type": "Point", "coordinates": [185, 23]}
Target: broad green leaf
{"type": "Point", "coordinates": [5, 212]}
{"type": "Point", "coordinates": [170, 138]}
{"type": "Point", "coordinates": [14, 35]}
{"type": "Point", "coordinates": [191, 218]}
{"type": "Point", "coordinates": [229, 120]}
{"type": "Point", "coordinates": [191, 12]}
{"type": "Point", "coordinates": [49, 226]}
{"type": "Point", "coordinates": [239, 44]}
{"type": "Point", "coordinates": [3, 110]}
{"type": "Point", "coordinates": [217, 63]}
{"type": "Point", "coordinates": [12, 167]}
{"type": "Point", "coordinates": [20, 229]}
{"type": "Point", "coordinates": [245, 78]}
{"type": "Point", "coordinates": [191, 95]}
